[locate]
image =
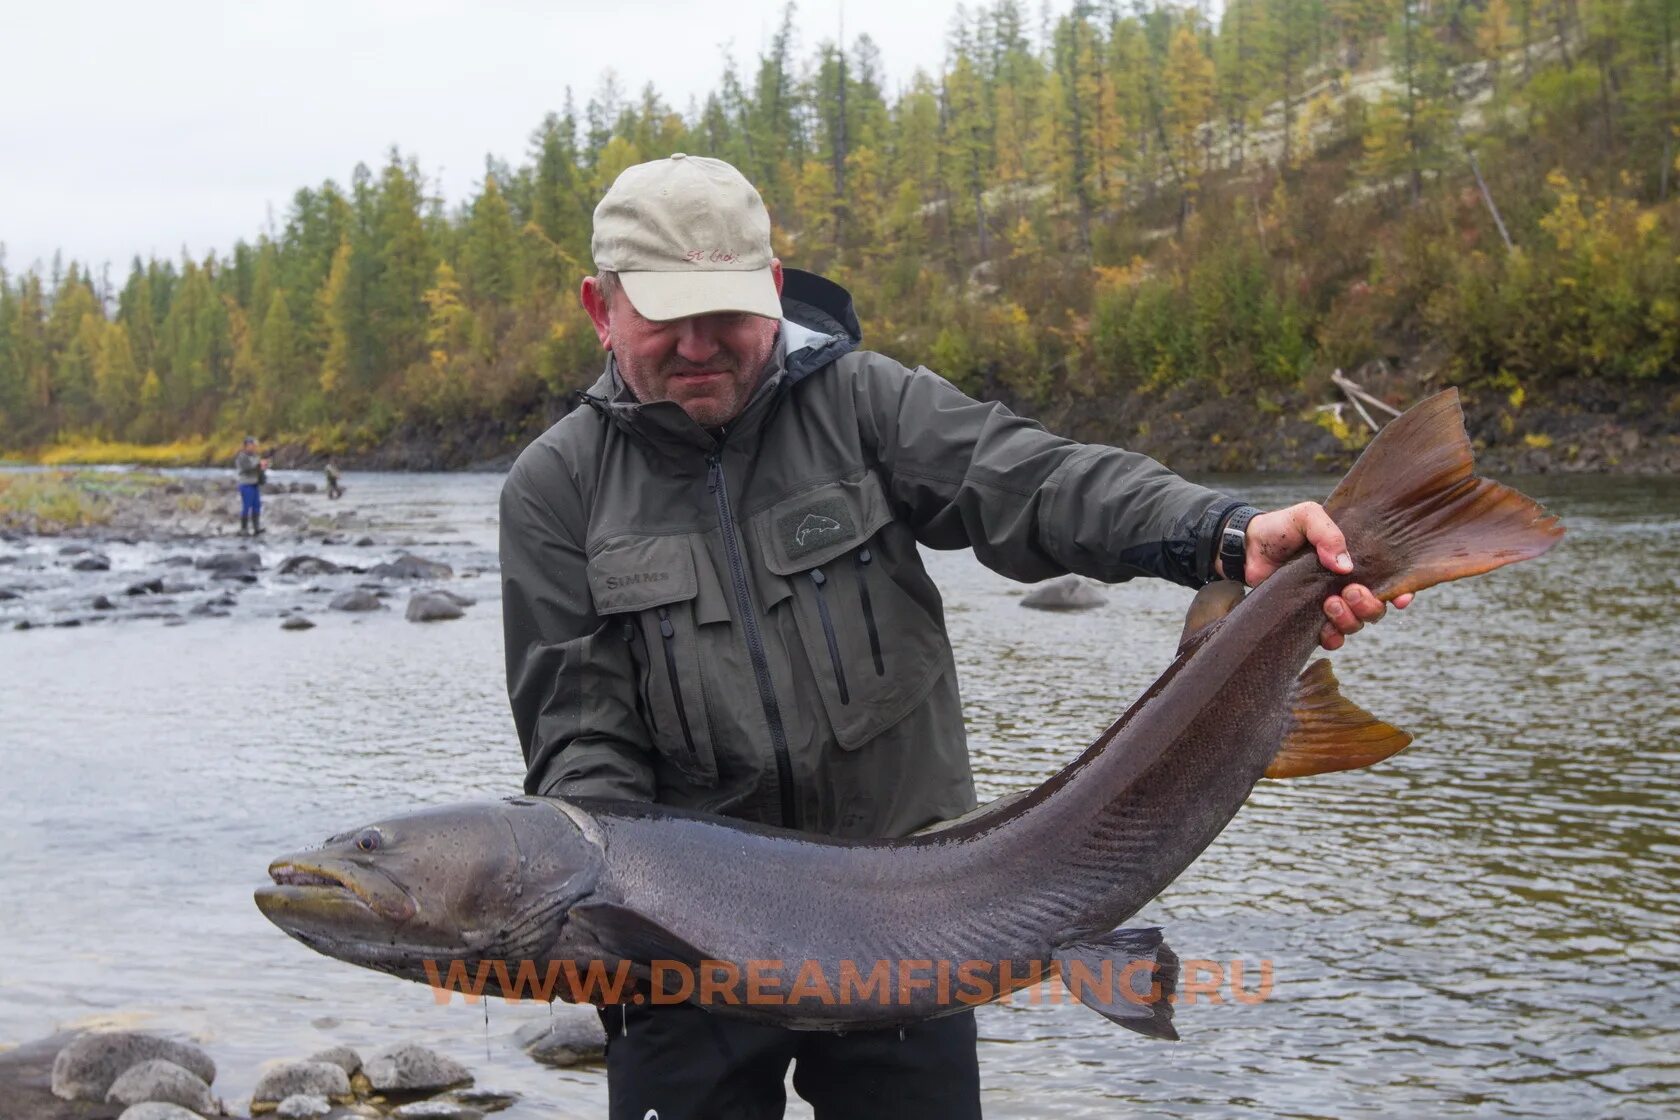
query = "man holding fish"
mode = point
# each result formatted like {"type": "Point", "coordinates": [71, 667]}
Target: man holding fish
{"type": "Point", "coordinates": [713, 597]}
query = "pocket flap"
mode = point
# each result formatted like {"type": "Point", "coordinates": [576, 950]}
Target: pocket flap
{"type": "Point", "coordinates": [812, 528]}
{"type": "Point", "coordinates": [634, 573]}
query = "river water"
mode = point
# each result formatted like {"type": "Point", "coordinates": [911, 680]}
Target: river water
{"type": "Point", "coordinates": [1486, 925]}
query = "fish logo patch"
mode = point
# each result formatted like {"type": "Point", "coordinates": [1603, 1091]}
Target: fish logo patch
{"type": "Point", "coordinates": [816, 525]}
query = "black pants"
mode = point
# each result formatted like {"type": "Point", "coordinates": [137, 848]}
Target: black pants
{"type": "Point", "coordinates": [679, 1062]}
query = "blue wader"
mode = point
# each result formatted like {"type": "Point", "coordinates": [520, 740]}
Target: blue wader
{"type": "Point", "coordinates": [250, 499]}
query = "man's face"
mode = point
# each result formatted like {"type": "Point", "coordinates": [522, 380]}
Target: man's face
{"type": "Point", "coordinates": [707, 364]}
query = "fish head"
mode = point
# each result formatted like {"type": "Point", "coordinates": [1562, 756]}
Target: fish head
{"type": "Point", "coordinates": [408, 894]}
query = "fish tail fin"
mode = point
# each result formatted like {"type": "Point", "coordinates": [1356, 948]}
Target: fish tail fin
{"type": "Point", "coordinates": [1327, 732]}
{"type": "Point", "coordinates": [1128, 976]}
{"type": "Point", "coordinates": [1416, 514]}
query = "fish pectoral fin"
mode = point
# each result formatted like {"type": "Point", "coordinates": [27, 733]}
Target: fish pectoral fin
{"type": "Point", "coordinates": [1209, 608]}
{"type": "Point", "coordinates": [1128, 976]}
{"type": "Point", "coordinates": [1328, 732]}
{"type": "Point", "coordinates": [633, 936]}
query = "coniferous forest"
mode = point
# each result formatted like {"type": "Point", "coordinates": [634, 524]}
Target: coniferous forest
{"type": "Point", "coordinates": [1083, 210]}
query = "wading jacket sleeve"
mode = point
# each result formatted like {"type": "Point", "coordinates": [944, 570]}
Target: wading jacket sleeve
{"type": "Point", "coordinates": [744, 625]}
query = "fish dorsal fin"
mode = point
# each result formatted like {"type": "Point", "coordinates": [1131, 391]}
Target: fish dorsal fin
{"type": "Point", "coordinates": [1210, 606]}
{"type": "Point", "coordinates": [633, 936]}
{"type": "Point", "coordinates": [1327, 732]}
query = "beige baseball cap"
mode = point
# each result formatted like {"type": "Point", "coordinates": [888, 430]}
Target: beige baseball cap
{"type": "Point", "coordinates": [687, 235]}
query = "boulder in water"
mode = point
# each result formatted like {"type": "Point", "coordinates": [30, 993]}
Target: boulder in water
{"type": "Point", "coordinates": [302, 1106]}
{"type": "Point", "coordinates": [157, 1110]}
{"type": "Point", "coordinates": [356, 599]}
{"type": "Point", "coordinates": [103, 603]}
{"type": "Point", "coordinates": [93, 562]}
{"type": "Point", "coordinates": [293, 1079]}
{"type": "Point", "coordinates": [343, 1057]}
{"type": "Point", "coordinates": [229, 562]}
{"type": "Point", "coordinates": [414, 1069]}
{"type": "Point", "coordinates": [308, 566]}
{"type": "Point", "coordinates": [572, 1037]}
{"type": "Point", "coordinates": [159, 1079]}
{"type": "Point", "coordinates": [425, 606]}
{"type": "Point", "coordinates": [145, 587]}
{"type": "Point", "coordinates": [1070, 593]}
{"type": "Point", "coordinates": [297, 622]}
{"type": "Point", "coordinates": [86, 1068]}
{"type": "Point", "coordinates": [409, 566]}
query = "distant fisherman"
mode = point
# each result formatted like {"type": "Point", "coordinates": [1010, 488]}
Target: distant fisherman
{"type": "Point", "coordinates": [253, 470]}
{"type": "Point", "coordinates": [713, 596]}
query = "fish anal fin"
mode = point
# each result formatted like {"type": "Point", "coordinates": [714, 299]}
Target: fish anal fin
{"type": "Point", "coordinates": [1327, 732]}
{"type": "Point", "coordinates": [1128, 976]}
{"type": "Point", "coordinates": [1210, 606]}
{"type": "Point", "coordinates": [630, 935]}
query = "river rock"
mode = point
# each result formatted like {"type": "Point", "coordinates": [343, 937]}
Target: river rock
{"type": "Point", "coordinates": [145, 587]}
{"type": "Point", "coordinates": [178, 561]}
{"type": "Point", "coordinates": [458, 599]}
{"type": "Point", "coordinates": [93, 562]}
{"type": "Point", "coordinates": [157, 1110]}
{"type": "Point", "coordinates": [74, 550]}
{"type": "Point", "coordinates": [409, 566]}
{"type": "Point", "coordinates": [162, 1080]}
{"type": "Point", "coordinates": [573, 1036]}
{"type": "Point", "coordinates": [343, 1057]}
{"type": "Point", "coordinates": [413, 1069]}
{"type": "Point", "coordinates": [297, 622]}
{"type": "Point", "coordinates": [86, 1068]}
{"type": "Point", "coordinates": [436, 1110]}
{"type": "Point", "coordinates": [308, 566]}
{"type": "Point", "coordinates": [423, 606]}
{"type": "Point", "coordinates": [302, 1106]}
{"type": "Point", "coordinates": [1070, 593]}
{"type": "Point", "coordinates": [234, 577]}
{"type": "Point", "coordinates": [356, 599]}
{"type": "Point", "coordinates": [103, 603]}
{"type": "Point", "coordinates": [293, 1079]}
{"type": "Point", "coordinates": [229, 562]}
{"type": "Point", "coordinates": [8, 593]}
{"type": "Point", "coordinates": [364, 542]}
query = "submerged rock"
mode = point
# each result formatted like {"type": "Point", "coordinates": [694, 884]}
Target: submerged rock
{"type": "Point", "coordinates": [297, 622]}
{"type": "Point", "coordinates": [93, 562]}
{"type": "Point", "coordinates": [86, 1068]}
{"type": "Point", "coordinates": [436, 1110]}
{"type": "Point", "coordinates": [356, 599]}
{"type": "Point", "coordinates": [295, 1079]}
{"type": "Point", "coordinates": [103, 603]}
{"type": "Point", "coordinates": [162, 1080]}
{"type": "Point", "coordinates": [414, 1069]}
{"type": "Point", "coordinates": [343, 1057]}
{"type": "Point", "coordinates": [308, 566]}
{"type": "Point", "coordinates": [178, 561]}
{"type": "Point", "coordinates": [573, 1036]}
{"type": "Point", "coordinates": [145, 587]}
{"type": "Point", "coordinates": [229, 562]}
{"type": "Point", "coordinates": [409, 566]}
{"type": "Point", "coordinates": [427, 606]}
{"type": "Point", "coordinates": [1070, 593]}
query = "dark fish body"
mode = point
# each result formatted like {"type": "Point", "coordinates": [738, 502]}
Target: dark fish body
{"type": "Point", "coordinates": [1045, 878]}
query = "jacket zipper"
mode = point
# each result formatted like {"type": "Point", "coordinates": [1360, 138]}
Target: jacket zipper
{"type": "Point", "coordinates": [669, 633]}
{"type": "Point", "coordinates": [719, 487]}
{"type": "Point", "coordinates": [642, 709]}
{"type": "Point", "coordinates": [818, 579]}
{"type": "Point", "coordinates": [863, 559]}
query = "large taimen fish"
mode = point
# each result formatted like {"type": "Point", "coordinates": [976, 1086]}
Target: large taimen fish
{"type": "Point", "coordinates": [841, 934]}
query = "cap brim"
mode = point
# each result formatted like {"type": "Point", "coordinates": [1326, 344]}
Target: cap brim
{"type": "Point", "coordinates": [677, 295]}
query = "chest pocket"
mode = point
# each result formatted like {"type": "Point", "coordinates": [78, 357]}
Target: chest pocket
{"type": "Point", "coordinates": [874, 650]}
{"type": "Point", "coordinates": [649, 589]}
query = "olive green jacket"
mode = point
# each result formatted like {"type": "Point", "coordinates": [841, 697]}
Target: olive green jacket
{"type": "Point", "coordinates": [741, 623]}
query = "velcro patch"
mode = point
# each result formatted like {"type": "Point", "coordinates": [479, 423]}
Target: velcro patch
{"type": "Point", "coordinates": [813, 526]}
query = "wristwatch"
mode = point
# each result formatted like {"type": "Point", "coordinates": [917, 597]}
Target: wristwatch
{"type": "Point", "coordinates": [1233, 542]}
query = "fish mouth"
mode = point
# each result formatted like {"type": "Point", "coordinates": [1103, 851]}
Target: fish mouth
{"type": "Point", "coordinates": [320, 892]}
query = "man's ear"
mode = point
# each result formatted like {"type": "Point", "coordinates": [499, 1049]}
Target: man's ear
{"type": "Point", "coordinates": [594, 302]}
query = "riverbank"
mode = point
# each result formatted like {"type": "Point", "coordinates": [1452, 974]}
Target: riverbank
{"type": "Point", "coordinates": [1588, 426]}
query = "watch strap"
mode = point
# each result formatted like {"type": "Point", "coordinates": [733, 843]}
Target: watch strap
{"type": "Point", "coordinates": [1233, 542]}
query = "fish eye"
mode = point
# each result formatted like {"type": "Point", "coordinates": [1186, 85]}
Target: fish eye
{"type": "Point", "coordinates": [369, 840]}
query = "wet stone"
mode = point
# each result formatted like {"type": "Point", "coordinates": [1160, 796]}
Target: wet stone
{"type": "Point", "coordinates": [308, 566]}
{"type": "Point", "coordinates": [291, 1079]}
{"type": "Point", "coordinates": [93, 562]}
{"type": "Point", "coordinates": [414, 1069]}
{"type": "Point", "coordinates": [145, 587]}
{"type": "Point", "coordinates": [159, 1079]}
{"type": "Point", "coordinates": [343, 1057]}
{"type": "Point", "coordinates": [229, 562]}
{"type": "Point", "coordinates": [7, 593]}
{"type": "Point", "coordinates": [103, 603]}
{"type": "Point", "coordinates": [573, 1036]}
{"type": "Point", "coordinates": [157, 1110]}
{"type": "Point", "coordinates": [87, 1066]}
{"type": "Point", "coordinates": [297, 622]}
{"type": "Point", "coordinates": [356, 599]}
{"type": "Point", "coordinates": [425, 606]}
{"type": "Point", "coordinates": [302, 1106]}
{"type": "Point", "coordinates": [1070, 593]}
{"type": "Point", "coordinates": [409, 566]}
{"type": "Point", "coordinates": [436, 1110]}
{"type": "Point", "coordinates": [177, 561]}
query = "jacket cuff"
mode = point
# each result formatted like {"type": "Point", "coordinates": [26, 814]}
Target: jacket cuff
{"type": "Point", "coordinates": [1207, 538]}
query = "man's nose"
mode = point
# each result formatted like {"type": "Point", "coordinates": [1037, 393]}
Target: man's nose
{"type": "Point", "coordinates": [697, 338]}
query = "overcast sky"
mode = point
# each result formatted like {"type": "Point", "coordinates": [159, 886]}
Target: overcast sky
{"type": "Point", "coordinates": [143, 128]}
